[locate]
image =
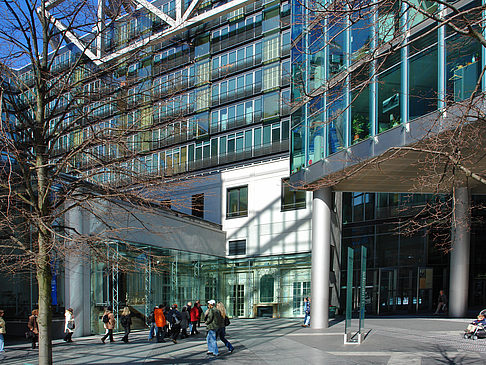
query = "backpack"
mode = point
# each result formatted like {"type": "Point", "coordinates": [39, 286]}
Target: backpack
{"type": "Point", "coordinates": [226, 321]}
{"type": "Point", "coordinates": [106, 319]}
{"type": "Point", "coordinates": [175, 318]}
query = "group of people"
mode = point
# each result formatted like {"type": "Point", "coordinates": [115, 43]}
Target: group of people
{"type": "Point", "coordinates": [164, 321]}
{"type": "Point", "coordinates": [167, 321]}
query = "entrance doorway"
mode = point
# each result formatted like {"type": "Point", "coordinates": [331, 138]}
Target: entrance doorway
{"type": "Point", "coordinates": [401, 290]}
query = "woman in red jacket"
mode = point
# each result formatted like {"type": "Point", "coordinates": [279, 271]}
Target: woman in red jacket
{"type": "Point", "coordinates": [195, 313]}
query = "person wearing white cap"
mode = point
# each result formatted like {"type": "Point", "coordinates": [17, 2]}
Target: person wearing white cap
{"type": "Point", "coordinates": [213, 321]}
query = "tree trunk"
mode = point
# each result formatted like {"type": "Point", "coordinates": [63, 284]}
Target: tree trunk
{"type": "Point", "coordinates": [44, 319]}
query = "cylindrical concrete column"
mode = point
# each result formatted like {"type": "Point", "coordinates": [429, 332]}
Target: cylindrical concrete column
{"type": "Point", "coordinates": [321, 257]}
{"type": "Point", "coordinates": [459, 270]}
{"type": "Point", "coordinates": [75, 275]}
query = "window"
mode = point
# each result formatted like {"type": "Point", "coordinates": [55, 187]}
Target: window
{"type": "Point", "coordinates": [271, 77]}
{"type": "Point", "coordinates": [292, 199]}
{"type": "Point", "coordinates": [271, 48]}
{"type": "Point", "coordinates": [237, 202]}
{"type": "Point", "coordinates": [198, 205]}
{"type": "Point", "coordinates": [267, 283]}
{"type": "Point", "coordinates": [237, 247]}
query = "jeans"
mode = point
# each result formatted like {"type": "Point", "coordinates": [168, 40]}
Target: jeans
{"type": "Point", "coordinates": [222, 335]}
{"type": "Point", "coordinates": [307, 319]}
{"type": "Point", "coordinates": [152, 331]}
{"type": "Point", "coordinates": [211, 340]}
{"type": "Point", "coordinates": [194, 330]}
{"type": "Point", "coordinates": [2, 342]}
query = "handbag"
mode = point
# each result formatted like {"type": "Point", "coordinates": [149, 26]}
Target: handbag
{"type": "Point", "coordinates": [226, 321]}
{"type": "Point", "coordinates": [71, 325]}
{"type": "Point", "coordinates": [29, 335]}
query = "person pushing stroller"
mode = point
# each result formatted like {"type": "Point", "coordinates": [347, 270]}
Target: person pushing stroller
{"type": "Point", "coordinates": [476, 329]}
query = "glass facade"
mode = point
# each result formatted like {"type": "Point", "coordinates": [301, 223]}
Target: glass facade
{"type": "Point", "coordinates": [404, 271]}
{"type": "Point", "coordinates": [250, 287]}
{"type": "Point", "coordinates": [361, 96]}
{"type": "Point", "coordinates": [197, 104]}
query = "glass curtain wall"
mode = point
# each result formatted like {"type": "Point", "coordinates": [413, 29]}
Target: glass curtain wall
{"type": "Point", "coordinates": [377, 95]}
{"type": "Point", "coordinates": [403, 271]}
{"type": "Point", "coordinates": [163, 277]}
{"type": "Point", "coordinates": [265, 286]}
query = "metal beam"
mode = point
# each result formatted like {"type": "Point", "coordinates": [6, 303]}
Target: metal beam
{"type": "Point", "coordinates": [157, 12]}
{"type": "Point", "coordinates": [182, 22]}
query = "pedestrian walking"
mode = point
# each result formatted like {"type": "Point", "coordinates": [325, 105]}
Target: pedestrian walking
{"type": "Point", "coordinates": [69, 325]}
{"type": "Point", "coordinates": [151, 323]}
{"type": "Point", "coordinates": [185, 320]}
{"type": "Point", "coordinates": [175, 319]}
{"type": "Point", "coordinates": [199, 307]}
{"type": "Point", "coordinates": [307, 312]}
{"type": "Point", "coordinates": [213, 320]}
{"type": "Point", "coordinates": [441, 302]}
{"type": "Point", "coordinates": [160, 322]}
{"type": "Point", "coordinates": [189, 307]}
{"type": "Point", "coordinates": [195, 315]}
{"type": "Point", "coordinates": [33, 327]}
{"type": "Point", "coordinates": [222, 326]}
{"type": "Point", "coordinates": [3, 331]}
{"type": "Point", "coordinates": [109, 324]}
{"type": "Point", "coordinates": [126, 322]}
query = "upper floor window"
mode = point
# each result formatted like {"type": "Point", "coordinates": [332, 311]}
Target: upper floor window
{"type": "Point", "coordinates": [237, 247]}
{"type": "Point", "coordinates": [237, 202]}
{"type": "Point", "coordinates": [292, 199]}
{"type": "Point", "coordinates": [198, 205]}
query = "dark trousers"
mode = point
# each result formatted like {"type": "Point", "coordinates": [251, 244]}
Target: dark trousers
{"type": "Point", "coordinates": [109, 333]}
{"type": "Point", "coordinates": [127, 331]}
{"type": "Point", "coordinates": [160, 332]}
{"type": "Point", "coordinates": [67, 336]}
{"type": "Point", "coordinates": [184, 332]}
{"type": "Point", "coordinates": [221, 333]}
{"type": "Point", "coordinates": [34, 340]}
{"type": "Point", "coordinates": [176, 329]}
{"type": "Point", "coordinates": [194, 328]}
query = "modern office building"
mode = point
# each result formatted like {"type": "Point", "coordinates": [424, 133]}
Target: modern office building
{"type": "Point", "coordinates": [210, 105]}
{"type": "Point", "coordinates": [368, 81]}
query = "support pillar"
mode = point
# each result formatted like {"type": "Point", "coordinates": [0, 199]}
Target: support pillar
{"type": "Point", "coordinates": [459, 268]}
{"type": "Point", "coordinates": [77, 279]}
{"type": "Point", "coordinates": [321, 255]}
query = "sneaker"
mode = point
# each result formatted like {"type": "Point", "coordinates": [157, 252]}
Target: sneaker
{"type": "Point", "coordinates": [209, 353]}
{"type": "Point", "coordinates": [231, 351]}
{"type": "Point", "coordinates": [175, 341]}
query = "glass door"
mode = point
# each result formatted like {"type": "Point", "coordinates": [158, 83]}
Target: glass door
{"type": "Point", "coordinates": [387, 292]}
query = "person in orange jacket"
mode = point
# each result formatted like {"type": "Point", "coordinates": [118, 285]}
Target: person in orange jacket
{"type": "Point", "coordinates": [160, 322]}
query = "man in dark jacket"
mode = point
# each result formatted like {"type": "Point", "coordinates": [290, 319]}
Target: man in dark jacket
{"type": "Point", "coordinates": [213, 322]}
{"type": "Point", "coordinates": [175, 318]}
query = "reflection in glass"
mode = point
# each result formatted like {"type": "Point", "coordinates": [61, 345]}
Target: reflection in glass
{"type": "Point", "coordinates": [463, 66]}
{"type": "Point", "coordinates": [337, 120]}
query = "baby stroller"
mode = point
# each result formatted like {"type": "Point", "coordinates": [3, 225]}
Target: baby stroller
{"type": "Point", "coordinates": [476, 330]}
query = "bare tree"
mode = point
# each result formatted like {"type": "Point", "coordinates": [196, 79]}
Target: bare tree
{"type": "Point", "coordinates": [75, 134]}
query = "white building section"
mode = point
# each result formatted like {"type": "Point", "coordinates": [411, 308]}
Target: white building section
{"type": "Point", "coordinates": [268, 228]}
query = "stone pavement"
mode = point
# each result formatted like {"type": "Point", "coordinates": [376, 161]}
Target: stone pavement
{"type": "Point", "coordinates": [391, 340]}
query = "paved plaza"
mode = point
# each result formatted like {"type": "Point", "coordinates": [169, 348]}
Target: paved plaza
{"type": "Point", "coordinates": [391, 340]}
